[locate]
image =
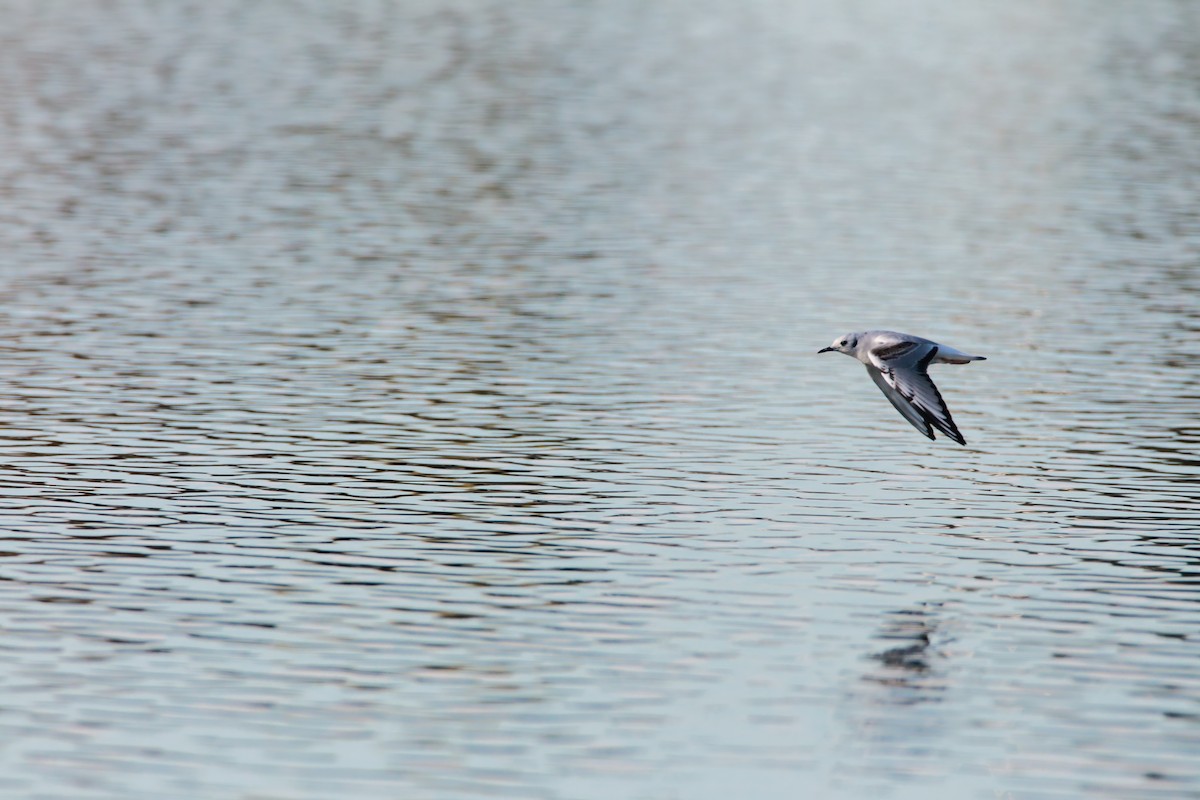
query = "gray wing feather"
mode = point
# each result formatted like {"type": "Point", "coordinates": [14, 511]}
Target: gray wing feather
{"type": "Point", "coordinates": [904, 370]}
{"type": "Point", "coordinates": [901, 404]}
{"type": "Point", "coordinates": [893, 351]}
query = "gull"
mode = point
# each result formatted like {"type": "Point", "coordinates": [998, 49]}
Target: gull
{"type": "Point", "coordinates": [898, 363]}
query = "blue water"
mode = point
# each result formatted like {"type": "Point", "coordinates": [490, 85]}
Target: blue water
{"type": "Point", "coordinates": [420, 400]}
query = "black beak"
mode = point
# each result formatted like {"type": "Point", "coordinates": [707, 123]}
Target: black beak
{"type": "Point", "coordinates": [824, 350]}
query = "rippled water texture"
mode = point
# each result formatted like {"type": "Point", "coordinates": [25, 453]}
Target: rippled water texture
{"type": "Point", "coordinates": [420, 400]}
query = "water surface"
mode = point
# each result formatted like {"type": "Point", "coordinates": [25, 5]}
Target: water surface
{"type": "Point", "coordinates": [420, 400]}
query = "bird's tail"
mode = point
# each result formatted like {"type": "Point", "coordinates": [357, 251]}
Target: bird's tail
{"type": "Point", "coordinates": [948, 355]}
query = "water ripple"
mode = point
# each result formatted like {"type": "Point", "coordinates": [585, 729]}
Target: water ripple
{"type": "Point", "coordinates": [421, 401]}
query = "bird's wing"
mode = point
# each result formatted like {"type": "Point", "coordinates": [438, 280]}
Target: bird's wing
{"type": "Point", "coordinates": [906, 409]}
{"type": "Point", "coordinates": [901, 371]}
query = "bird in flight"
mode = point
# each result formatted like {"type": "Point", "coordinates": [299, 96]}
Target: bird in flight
{"type": "Point", "coordinates": [899, 364]}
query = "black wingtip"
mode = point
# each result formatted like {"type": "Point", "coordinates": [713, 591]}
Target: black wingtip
{"type": "Point", "coordinates": [951, 432]}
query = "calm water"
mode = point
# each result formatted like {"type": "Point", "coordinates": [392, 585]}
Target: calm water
{"type": "Point", "coordinates": [420, 400]}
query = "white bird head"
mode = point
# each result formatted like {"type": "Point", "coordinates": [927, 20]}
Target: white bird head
{"type": "Point", "coordinates": [847, 344]}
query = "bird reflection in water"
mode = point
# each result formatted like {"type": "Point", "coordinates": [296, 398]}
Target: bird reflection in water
{"type": "Point", "coordinates": [910, 665]}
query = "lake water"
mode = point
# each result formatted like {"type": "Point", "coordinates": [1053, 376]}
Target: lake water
{"type": "Point", "coordinates": [420, 400]}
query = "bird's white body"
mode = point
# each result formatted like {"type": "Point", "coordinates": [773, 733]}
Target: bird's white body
{"type": "Point", "coordinates": [871, 341]}
{"type": "Point", "coordinates": [898, 363]}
